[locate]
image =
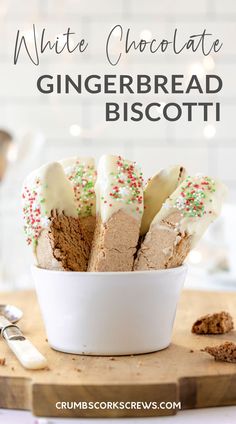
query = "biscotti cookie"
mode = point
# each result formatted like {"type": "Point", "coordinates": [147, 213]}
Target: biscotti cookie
{"type": "Point", "coordinates": [224, 352]}
{"type": "Point", "coordinates": [119, 199]}
{"type": "Point", "coordinates": [218, 323]}
{"type": "Point", "coordinates": [157, 190]}
{"type": "Point", "coordinates": [180, 223]}
{"type": "Point", "coordinates": [51, 220]}
{"type": "Point", "coordinates": [81, 172]}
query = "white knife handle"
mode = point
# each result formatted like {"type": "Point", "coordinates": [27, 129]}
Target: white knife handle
{"type": "Point", "coordinates": [24, 350]}
{"type": "Point", "coordinates": [27, 354]}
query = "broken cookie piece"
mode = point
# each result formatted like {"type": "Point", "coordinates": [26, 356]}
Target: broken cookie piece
{"type": "Point", "coordinates": [218, 323]}
{"type": "Point", "coordinates": [225, 352]}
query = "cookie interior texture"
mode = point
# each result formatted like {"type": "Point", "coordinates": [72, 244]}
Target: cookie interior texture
{"type": "Point", "coordinates": [163, 246]}
{"type": "Point", "coordinates": [224, 352]}
{"type": "Point", "coordinates": [114, 243]}
{"type": "Point", "coordinates": [64, 245]}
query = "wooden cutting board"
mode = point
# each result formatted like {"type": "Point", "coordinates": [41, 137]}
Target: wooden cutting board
{"type": "Point", "coordinates": [180, 373]}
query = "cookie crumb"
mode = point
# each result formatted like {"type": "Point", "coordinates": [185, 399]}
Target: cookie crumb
{"type": "Point", "coordinates": [112, 359]}
{"type": "Point", "coordinates": [191, 351]}
{"type": "Point", "coordinates": [224, 352]}
{"type": "Point", "coordinates": [217, 323]}
{"type": "Point", "coordinates": [2, 361]}
{"type": "Point", "coordinates": [78, 369]}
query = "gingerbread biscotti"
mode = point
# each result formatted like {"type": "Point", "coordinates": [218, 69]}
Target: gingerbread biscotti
{"type": "Point", "coordinates": [181, 222]}
{"type": "Point", "coordinates": [157, 190]}
{"type": "Point", "coordinates": [119, 197]}
{"type": "Point", "coordinates": [51, 222]}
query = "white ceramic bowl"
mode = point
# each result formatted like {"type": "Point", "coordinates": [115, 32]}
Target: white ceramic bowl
{"type": "Point", "coordinates": [109, 313]}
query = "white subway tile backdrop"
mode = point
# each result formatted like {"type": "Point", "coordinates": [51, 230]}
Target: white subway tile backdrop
{"type": "Point", "coordinates": [61, 125]}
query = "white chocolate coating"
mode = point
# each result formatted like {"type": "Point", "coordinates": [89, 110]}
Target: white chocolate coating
{"type": "Point", "coordinates": [199, 199]}
{"type": "Point", "coordinates": [119, 186]}
{"type": "Point", "coordinates": [82, 175]}
{"type": "Point", "coordinates": [44, 190]}
{"type": "Point", "coordinates": [157, 190]}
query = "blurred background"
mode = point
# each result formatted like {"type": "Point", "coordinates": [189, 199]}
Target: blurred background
{"type": "Point", "coordinates": [36, 128]}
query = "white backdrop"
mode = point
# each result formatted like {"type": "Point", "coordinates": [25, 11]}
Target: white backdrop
{"type": "Point", "coordinates": [55, 126]}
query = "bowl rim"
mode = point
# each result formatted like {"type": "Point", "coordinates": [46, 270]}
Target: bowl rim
{"type": "Point", "coordinates": [181, 268]}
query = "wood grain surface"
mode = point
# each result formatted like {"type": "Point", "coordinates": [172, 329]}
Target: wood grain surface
{"type": "Point", "coordinates": [180, 373]}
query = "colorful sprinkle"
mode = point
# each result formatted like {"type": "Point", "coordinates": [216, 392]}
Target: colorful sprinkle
{"type": "Point", "coordinates": [191, 199]}
{"type": "Point", "coordinates": [126, 185]}
{"type": "Point", "coordinates": [34, 217]}
{"type": "Point", "coordinates": [83, 177]}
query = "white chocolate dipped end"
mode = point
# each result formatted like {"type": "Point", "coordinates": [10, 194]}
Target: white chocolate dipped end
{"type": "Point", "coordinates": [118, 187]}
{"type": "Point", "coordinates": [199, 200]}
{"type": "Point", "coordinates": [157, 190]}
{"type": "Point", "coordinates": [181, 222]}
{"type": "Point", "coordinates": [82, 174]}
{"type": "Point", "coordinates": [119, 213]}
{"type": "Point", "coordinates": [44, 190]}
